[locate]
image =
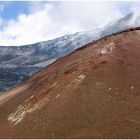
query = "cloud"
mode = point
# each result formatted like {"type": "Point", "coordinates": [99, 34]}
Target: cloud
{"type": "Point", "coordinates": [53, 19]}
{"type": "Point", "coordinates": [1, 7]}
{"type": "Point", "coordinates": [134, 8]}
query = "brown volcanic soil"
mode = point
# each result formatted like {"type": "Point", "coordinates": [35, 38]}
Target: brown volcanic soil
{"type": "Point", "coordinates": [92, 93]}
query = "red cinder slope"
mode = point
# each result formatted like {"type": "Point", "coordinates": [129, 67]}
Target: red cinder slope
{"type": "Point", "coordinates": [92, 93]}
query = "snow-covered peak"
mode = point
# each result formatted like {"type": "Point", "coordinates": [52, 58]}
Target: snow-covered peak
{"type": "Point", "coordinates": [134, 20]}
{"type": "Point", "coordinates": [129, 21]}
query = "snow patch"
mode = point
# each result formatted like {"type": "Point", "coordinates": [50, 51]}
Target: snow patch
{"type": "Point", "coordinates": [76, 81]}
{"type": "Point", "coordinates": [57, 96]}
{"type": "Point", "coordinates": [109, 88]}
{"type": "Point", "coordinates": [108, 48]}
{"type": "Point", "coordinates": [26, 108]}
{"type": "Point", "coordinates": [80, 78]}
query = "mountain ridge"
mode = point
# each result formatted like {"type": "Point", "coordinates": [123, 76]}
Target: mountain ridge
{"type": "Point", "coordinates": [19, 62]}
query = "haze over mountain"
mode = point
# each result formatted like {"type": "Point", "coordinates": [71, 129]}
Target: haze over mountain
{"type": "Point", "coordinates": [130, 20]}
{"type": "Point", "coordinates": [19, 62]}
{"type": "Point", "coordinates": [91, 93]}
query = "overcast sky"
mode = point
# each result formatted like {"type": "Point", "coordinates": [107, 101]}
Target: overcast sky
{"type": "Point", "coordinates": [30, 22]}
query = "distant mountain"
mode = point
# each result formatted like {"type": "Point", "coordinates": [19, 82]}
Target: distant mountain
{"type": "Point", "coordinates": [92, 93]}
{"type": "Point", "coordinates": [130, 20]}
{"type": "Point", "coordinates": [30, 55]}
{"type": "Point", "coordinates": [19, 62]}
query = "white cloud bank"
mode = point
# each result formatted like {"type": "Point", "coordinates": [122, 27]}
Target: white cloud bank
{"type": "Point", "coordinates": [54, 19]}
{"type": "Point", "coordinates": [1, 8]}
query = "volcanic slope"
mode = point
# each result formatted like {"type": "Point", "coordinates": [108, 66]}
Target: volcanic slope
{"type": "Point", "coordinates": [92, 93]}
